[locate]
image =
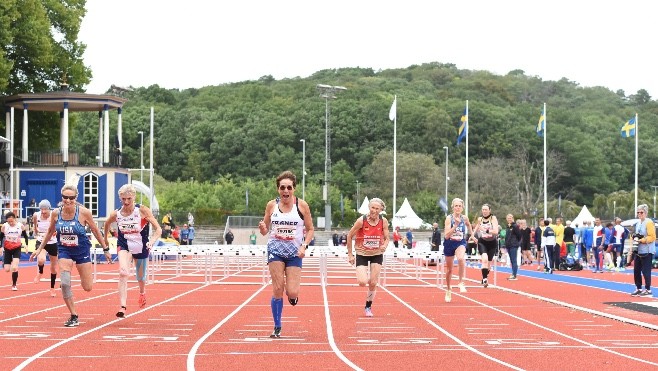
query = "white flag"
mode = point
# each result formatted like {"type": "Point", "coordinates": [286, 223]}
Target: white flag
{"type": "Point", "coordinates": [391, 115]}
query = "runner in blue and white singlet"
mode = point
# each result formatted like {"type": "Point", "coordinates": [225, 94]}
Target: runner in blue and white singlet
{"type": "Point", "coordinates": [134, 241]}
{"type": "Point", "coordinates": [288, 221]}
{"type": "Point", "coordinates": [69, 221]}
{"type": "Point", "coordinates": [457, 226]}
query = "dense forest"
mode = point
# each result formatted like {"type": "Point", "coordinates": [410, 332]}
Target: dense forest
{"type": "Point", "coordinates": [248, 132]}
{"type": "Point", "coordinates": [219, 148]}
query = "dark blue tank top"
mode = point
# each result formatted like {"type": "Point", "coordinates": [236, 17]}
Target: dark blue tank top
{"type": "Point", "coordinates": [71, 233]}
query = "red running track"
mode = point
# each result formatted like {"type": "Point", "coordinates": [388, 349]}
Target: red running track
{"type": "Point", "coordinates": [533, 323]}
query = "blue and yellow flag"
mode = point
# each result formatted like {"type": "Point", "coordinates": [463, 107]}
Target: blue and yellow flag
{"type": "Point", "coordinates": [628, 130]}
{"type": "Point", "coordinates": [541, 125]}
{"type": "Point", "coordinates": [463, 127]}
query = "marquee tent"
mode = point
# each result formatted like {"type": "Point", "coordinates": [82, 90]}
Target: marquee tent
{"type": "Point", "coordinates": [584, 216]}
{"type": "Point", "coordinates": [364, 209]}
{"type": "Point", "coordinates": [406, 218]}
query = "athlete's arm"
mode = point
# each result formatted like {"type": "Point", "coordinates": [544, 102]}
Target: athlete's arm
{"type": "Point", "coordinates": [108, 224]}
{"type": "Point", "coordinates": [384, 244]}
{"type": "Point", "coordinates": [350, 235]}
{"type": "Point", "coordinates": [148, 215]}
{"type": "Point", "coordinates": [86, 218]}
{"type": "Point", "coordinates": [264, 225]}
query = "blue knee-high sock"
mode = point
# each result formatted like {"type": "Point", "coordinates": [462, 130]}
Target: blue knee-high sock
{"type": "Point", "coordinates": [277, 310]}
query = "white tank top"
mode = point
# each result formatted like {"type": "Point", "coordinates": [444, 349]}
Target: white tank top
{"type": "Point", "coordinates": [13, 235]}
{"type": "Point", "coordinates": [42, 228]}
{"type": "Point", "coordinates": [286, 232]}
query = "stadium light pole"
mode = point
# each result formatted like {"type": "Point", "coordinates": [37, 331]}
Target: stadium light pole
{"type": "Point", "coordinates": [654, 201]}
{"type": "Point", "coordinates": [358, 189]}
{"type": "Point", "coordinates": [447, 178]}
{"type": "Point", "coordinates": [327, 92]}
{"type": "Point", "coordinates": [141, 163]}
{"type": "Point", "coordinates": [303, 168]}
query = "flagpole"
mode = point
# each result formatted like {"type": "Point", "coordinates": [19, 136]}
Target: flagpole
{"type": "Point", "coordinates": [636, 141]}
{"type": "Point", "coordinates": [545, 174]}
{"type": "Point", "coordinates": [395, 154]}
{"type": "Point", "coordinates": [466, 186]}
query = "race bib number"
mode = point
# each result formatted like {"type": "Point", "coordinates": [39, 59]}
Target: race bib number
{"type": "Point", "coordinates": [135, 244]}
{"type": "Point", "coordinates": [69, 240]}
{"type": "Point", "coordinates": [284, 233]}
{"type": "Point", "coordinates": [457, 236]}
{"type": "Point", "coordinates": [371, 243]}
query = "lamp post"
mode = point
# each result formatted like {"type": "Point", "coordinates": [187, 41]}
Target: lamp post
{"type": "Point", "coordinates": [357, 195]}
{"type": "Point", "coordinates": [303, 168]}
{"type": "Point", "coordinates": [327, 92]}
{"type": "Point", "coordinates": [654, 201]}
{"type": "Point", "coordinates": [141, 163]}
{"type": "Point", "coordinates": [447, 178]}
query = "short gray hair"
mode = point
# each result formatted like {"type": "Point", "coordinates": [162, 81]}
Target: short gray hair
{"type": "Point", "coordinates": [643, 207]}
{"type": "Point", "coordinates": [379, 201]}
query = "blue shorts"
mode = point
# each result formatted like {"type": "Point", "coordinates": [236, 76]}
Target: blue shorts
{"type": "Point", "coordinates": [617, 247]}
{"type": "Point", "coordinates": [295, 261]}
{"type": "Point", "coordinates": [79, 255]}
{"type": "Point", "coordinates": [450, 246]}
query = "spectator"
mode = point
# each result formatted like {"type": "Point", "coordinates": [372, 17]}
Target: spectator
{"type": "Point", "coordinates": [335, 239]}
{"type": "Point", "coordinates": [252, 238]}
{"type": "Point", "coordinates": [190, 219]}
{"type": "Point", "coordinates": [175, 233]}
{"type": "Point", "coordinates": [228, 237]}
{"type": "Point", "coordinates": [436, 237]}
{"type": "Point", "coordinates": [539, 233]}
{"type": "Point", "coordinates": [184, 235]}
{"type": "Point", "coordinates": [190, 234]}
{"type": "Point", "coordinates": [343, 239]}
{"type": "Point", "coordinates": [645, 236]}
{"type": "Point", "coordinates": [396, 236]}
{"type": "Point", "coordinates": [410, 239]}
{"type": "Point", "coordinates": [168, 220]}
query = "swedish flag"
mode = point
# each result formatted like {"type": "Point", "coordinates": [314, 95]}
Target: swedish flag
{"type": "Point", "coordinates": [628, 130]}
{"type": "Point", "coordinates": [463, 127]}
{"type": "Point", "coordinates": [541, 125]}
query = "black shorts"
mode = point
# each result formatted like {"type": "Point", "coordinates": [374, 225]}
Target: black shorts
{"type": "Point", "coordinates": [488, 247]}
{"type": "Point", "coordinates": [375, 259]}
{"type": "Point", "coordinates": [50, 248]}
{"type": "Point", "coordinates": [11, 254]}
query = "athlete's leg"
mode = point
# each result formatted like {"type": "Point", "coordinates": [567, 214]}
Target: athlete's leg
{"type": "Point", "coordinates": [65, 266]}
{"type": "Point", "coordinates": [293, 281]}
{"type": "Point", "coordinates": [460, 254]}
{"type": "Point", "coordinates": [125, 258]}
{"type": "Point", "coordinates": [277, 274]}
{"type": "Point", "coordinates": [450, 260]}
{"type": "Point", "coordinates": [41, 261]}
{"type": "Point", "coordinates": [362, 275]}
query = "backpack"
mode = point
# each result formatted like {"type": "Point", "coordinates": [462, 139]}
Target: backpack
{"type": "Point", "coordinates": [569, 263]}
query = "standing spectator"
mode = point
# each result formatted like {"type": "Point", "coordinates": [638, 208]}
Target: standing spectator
{"type": "Point", "coordinates": [228, 237]}
{"type": "Point", "coordinates": [617, 247]}
{"type": "Point", "coordinates": [526, 236]}
{"type": "Point", "coordinates": [184, 235]}
{"type": "Point", "coordinates": [410, 238]}
{"type": "Point", "coordinates": [608, 245]}
{"type": "Point", "coordinates": [190, 219]}
{"type": "Point", "coordinates": [343, 239]}
{"type": "Point", "coordinates": [335, 240]}
{"type": "Point", "coordinates": [436, 237]}
{"type": "Point", "coordinates": [558, 228]}
{"type": "Point", "coordinates": [548, 242]}
{"type": "Point", "coordinates": [588, 240]}
{"type": "Point", "coordinates": [252, 238]}
{"type": "Point", "coordinates": [569, 233]}
{"type": "Point", "coordinates": [175, 234]}
{"type": "Point", "coordinates": [168, 220]}
{"type": "Point", "coordinates": [190, 234]}
{"type": "Point", "coordinates": [645, 236]}
{"type": "Point", "coordinates": [512, 242]}
{"type": "Point", "coordinates": [539, 233]}
{"type": "Point", "coordinates": [597, 244]}
{"type": "Point", "coordinates": [396, 236]}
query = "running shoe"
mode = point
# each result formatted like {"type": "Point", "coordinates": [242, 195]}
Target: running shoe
{"type": "Point", "coordinates": [293, 302]}
{"type": "Point", "coordinates": [485, 282]}
{"type": "Point", "coordinates": [14, 288]}
{"type": "Point", "coordinates": [53, 293]}
{"type": "Point", "coordinates": [276, 333]}
{"type": "Point", "coordinates": [369, 312]}
{"type": "Point", "coordinates": [72, 322]}
{"type": "Point", "coordinates": [646, 292]}
{"type": "Point", "coordinates": [512, 278]}
{"type": "Point", "coordinates": [462, 287]}
{"type": "Point", "coordinates": [142, 300]}
{"type": "Point", "coordinates": [637, 292]}
{"type": "Point", "coordinates": [37, 278]}
{"type": "Point", "coordinates": [448, 296]}
{"type": "Point", "coordinates": [122, 312]}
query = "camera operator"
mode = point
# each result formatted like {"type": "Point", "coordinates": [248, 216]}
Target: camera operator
{"type": "Point", "coordinates": [645, 236]}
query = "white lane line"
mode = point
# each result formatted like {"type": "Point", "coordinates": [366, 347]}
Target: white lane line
{"type": "Point", "coordinates": [330, 333]}
{"type": "Point", "coordinates": [44, 351]}
{"type": "Point", "coordinates": [448, 334]}
{"type": "Point", "coordinates": [192, 354]}
{"type": "Point", "coordinates": [556, 302]}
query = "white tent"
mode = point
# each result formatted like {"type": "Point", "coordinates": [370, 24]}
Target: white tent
{"type": "Point", "coordinates": [584, 216]}
{"type": "Point", "coordinates": [364, 209]}
{"type": "Point", "coordinates": [407, 218]}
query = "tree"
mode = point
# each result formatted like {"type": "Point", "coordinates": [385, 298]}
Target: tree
{"type": "Point", "coordinates": [39, 46]}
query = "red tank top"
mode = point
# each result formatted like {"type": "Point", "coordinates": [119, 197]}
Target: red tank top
{"type": "Point", "coordinates": [369, 238]}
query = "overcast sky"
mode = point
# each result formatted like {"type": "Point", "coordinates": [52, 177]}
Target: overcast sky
{"type": "Point", "coordinates": [196, 43]}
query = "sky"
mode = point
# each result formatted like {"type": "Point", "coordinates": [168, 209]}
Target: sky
{"type": "Point", "coordinates": [197, 43]}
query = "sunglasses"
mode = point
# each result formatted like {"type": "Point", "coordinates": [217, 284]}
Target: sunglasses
{"type": "Point", "coordinates": [283, 188]}
{"type": "Point", "coordinates": [69, 197]}
{"type": "Point", "coordinates": [640, 212]}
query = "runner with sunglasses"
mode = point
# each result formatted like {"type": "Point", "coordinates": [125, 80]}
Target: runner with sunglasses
{"type": "Point", "coordinates": [73, 245]}
{"type": "Point", "coordinates": [290, 225]}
